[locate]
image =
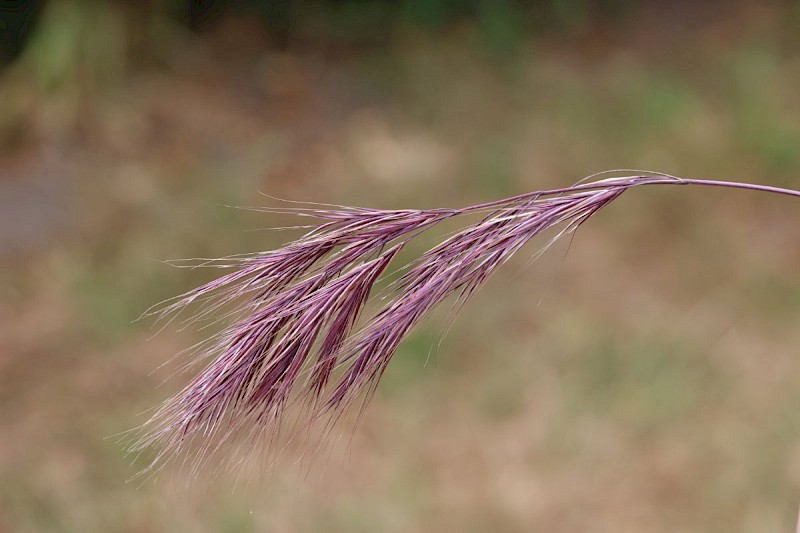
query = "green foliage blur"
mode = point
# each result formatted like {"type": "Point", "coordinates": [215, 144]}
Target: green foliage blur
{"type": "Point", "coordinates": [503, 24]}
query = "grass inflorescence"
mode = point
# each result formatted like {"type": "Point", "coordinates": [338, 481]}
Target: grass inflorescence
{"type": "Point", "coordinates": [293, 326]}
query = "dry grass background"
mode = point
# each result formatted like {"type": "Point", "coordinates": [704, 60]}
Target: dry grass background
{"type": "Point", "coordinates": [643, 378]}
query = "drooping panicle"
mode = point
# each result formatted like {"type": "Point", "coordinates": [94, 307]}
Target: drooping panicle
{"type": "Point", "coordinates": [293, 315]}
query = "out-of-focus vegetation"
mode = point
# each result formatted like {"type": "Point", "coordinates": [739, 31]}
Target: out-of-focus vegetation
{"type": "Point", "coordinates": [644, 377]}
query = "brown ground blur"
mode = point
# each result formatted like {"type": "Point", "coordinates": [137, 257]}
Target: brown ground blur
{"type": "Point", "coordinates": [643, 378]}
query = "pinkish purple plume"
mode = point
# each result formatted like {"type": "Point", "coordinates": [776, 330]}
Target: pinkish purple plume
{"type": "Point", "coordinates": [296, 329]}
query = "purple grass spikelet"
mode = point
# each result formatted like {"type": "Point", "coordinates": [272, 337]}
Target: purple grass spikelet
{"type": "Point", "coordinates": [293, 319]}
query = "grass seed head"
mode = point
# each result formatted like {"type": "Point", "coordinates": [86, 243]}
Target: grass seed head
{"type": "Point", "coordinates": [292, 314]}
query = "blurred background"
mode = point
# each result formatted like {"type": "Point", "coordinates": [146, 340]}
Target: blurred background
{"type": "Point", "coordinates": [643, 377]}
